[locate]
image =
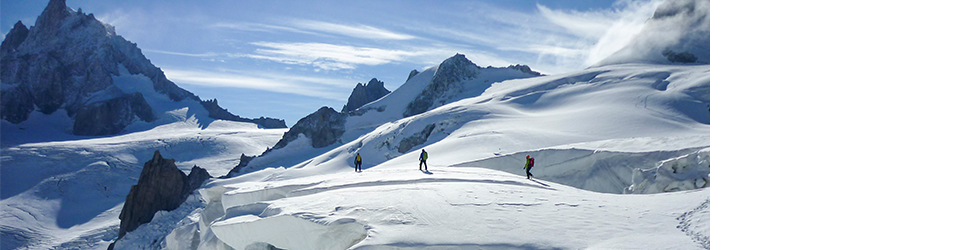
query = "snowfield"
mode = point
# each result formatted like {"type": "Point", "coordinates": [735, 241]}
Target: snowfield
{"type": "Point", "coordinates": [68, 194]}
{"type": "Point", "coordinates": [622, 154]}
{"type": "Point", "coordinates": [596, 135]}
{"type": "Point", "coordinates": [622, 162]}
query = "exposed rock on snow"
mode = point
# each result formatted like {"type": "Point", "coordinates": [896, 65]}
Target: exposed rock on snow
{"type": "Point", "coordinates": [323, 127]}
{"type": "Point", "coordinates": [112, 116]}
{"type": "Point", "coordinates": [416, 139]}
{"type": "Point", "coordinates": [217, 112]}
{"type": "Point", "coordinates": [242, 162]}
{"type": "Point", "coordinates": [161, 186]}
{"type": "Point", "coordinates": [412, 74]}
{"type": "Point", "coordinates": [363, 94]}
{"type": "Point", "coordinates": [525, 69]}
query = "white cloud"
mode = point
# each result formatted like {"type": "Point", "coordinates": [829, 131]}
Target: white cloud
{"type": "Point", "coordinates": [313, 27]}
{"type": "Point", "coordinates": [274, 82]}
{"type": "Point", "coordinates": [550, 40]}
{"type": "Point", "coordinates": [361, 31]}
{"type": "Point", "coordinates": [606, 31]}
{"type": "Point", "coordinates": [582, 24]}
{"type": "Point", "coordinates": [208, 54]}
{"type": "Point", "coordinates": [326, 56]}
{"type": "Point", "coordinates": [259, 27]}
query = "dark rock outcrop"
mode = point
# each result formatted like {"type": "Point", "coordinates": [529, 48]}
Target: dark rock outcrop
{"type": "Point", "coordinates": [524, 68]}
{"type": "Point", "coordinates": [161, 186]}
{"type": "Point", "coordinates": [112, 116]}
{"type": "Point", "coordinates": [323, 127]}
{"type": "Point", "coordinates": [447, 79]}
{"type": "Point", "coordinates": [217, 112]}
{"type": "Point", "coordinates": [412, 74]}
{"type": "Point", "coordinates": [416, 139]}
{"type": "Point", "coordinates": [242, 162]}
{"type": "Point", "coordinates": [364, 94]}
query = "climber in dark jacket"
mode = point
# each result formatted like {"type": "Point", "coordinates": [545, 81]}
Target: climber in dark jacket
{"type": "Point", "coordinates": [357, 163]}
{"type": "Point", "coordinates": [422, 158]}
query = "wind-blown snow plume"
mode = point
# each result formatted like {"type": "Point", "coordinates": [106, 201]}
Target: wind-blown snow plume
{"type": "Point", "coordinates": [678, 32]}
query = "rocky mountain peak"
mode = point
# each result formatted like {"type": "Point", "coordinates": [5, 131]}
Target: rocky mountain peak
{"type": "Point", "coordinates": [15, 37]}
{"type": "Point", "coordinates": [53, 15]}
{"type": "Point", "coordinates": [448, 77]}
{"type": "Point", "coordinates": [364, 94]}
{"type": "Point", "coordinates": [456, 64]}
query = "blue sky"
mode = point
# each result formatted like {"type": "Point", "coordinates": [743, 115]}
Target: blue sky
{"type": "Point", "coordinates": [286, 59]}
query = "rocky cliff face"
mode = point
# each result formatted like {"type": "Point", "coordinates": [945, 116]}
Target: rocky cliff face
{"type": "Point", "coordinates": [447, 79]}
{"type": "Point", "coordinates": [323, 127]}
{"type": "Point", "coordinates": [161, 186]}
{"type": "Point", "coordinates": [112, 116]}
{"type": "Point", "coordinates": [363, 94]}
{"type": "Point", "coordinates": [69, 60]}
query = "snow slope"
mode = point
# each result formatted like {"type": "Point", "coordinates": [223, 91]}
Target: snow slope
{"type": "Point", "coordinates": [393, 106]}
{"type": "Point", "coordinates": [595, 134]}
{"type": "Point", "coordinates": [68, 194]}
{"type": "Point", "coordinates": [448, 208]}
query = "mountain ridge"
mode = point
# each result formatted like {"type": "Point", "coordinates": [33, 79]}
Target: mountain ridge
{"type": "Point", "coordinates": [453, 79]}
{"type": "Point", "coordinates": [70, 60]}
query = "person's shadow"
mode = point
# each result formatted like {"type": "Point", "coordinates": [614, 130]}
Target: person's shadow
{"type": "Point", "coordinates": [542, 183]}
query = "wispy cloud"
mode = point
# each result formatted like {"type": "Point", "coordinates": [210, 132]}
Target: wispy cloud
{"type": "Point", "coordinates": [552, 40]}
{"type": "Point", "coordinates": [259, 27]}
{"type": "Point", "coordinates": [582, 24]}
{"type": "Point", "coordinates": [208, 54]}
{"type": "Point", "coordinates": [314, 27]}
{"type": "Point", "coordinates": [605, 31]}
{"type": "Point", "coordinates": [326, 56]}
{"type": "Point", "coordinates": [273, 82]}
{"type": "Point", "coordinates": [361, 31]}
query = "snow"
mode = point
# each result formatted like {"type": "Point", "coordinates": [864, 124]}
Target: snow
{"type": "Point", "coordinates": [581, 127]}
{"type": "Point", "coordinates": [68, 194]}
{"type": "Point", "coordinates": [451, 207]}
{"type": "Point", "coordinates": [596, 135]}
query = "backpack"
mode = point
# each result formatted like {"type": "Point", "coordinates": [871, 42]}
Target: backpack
{"type": "Point", "coordinates": [532, 163]}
